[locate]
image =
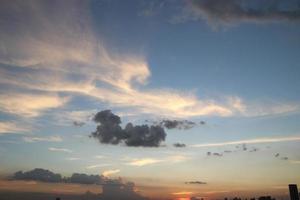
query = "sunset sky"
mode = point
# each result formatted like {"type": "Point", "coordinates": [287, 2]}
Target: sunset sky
{"type": "Point", "coordinates": [226, 73]}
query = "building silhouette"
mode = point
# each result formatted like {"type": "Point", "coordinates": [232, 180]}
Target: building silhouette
{"type": "Point", "coordinates": [294, 195]}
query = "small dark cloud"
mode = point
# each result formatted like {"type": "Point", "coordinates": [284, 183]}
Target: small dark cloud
{"type": "Point", "coordinates": [110, 132]}
{"type": "Point", "coordinates": [196, 182]}
{"type": "Point", "coordinates": [244, 147]}
{"type": "Point", "coordinates": [217, 154]}
{"type": "Point", "coordinates": [238, 10]}
{"type": "Point", "coordinates": [277, 155]}
{"type": "Point", "coordinates": [227, 151]}
{"type": "Point", "coordinates": [179, 145]}
{"type": "Point", "coordinates": [79, 124]}
{"type": "Point", "coordinates": [254, 150]}
{"type": "Point", "coordinates": [177, 124]}
{"type": "Point", "coordinates": [284, 158]}
{"type": "Point", "coordinates": [202, 122]}
{"type": "Point", "coordinates": [214, 154]}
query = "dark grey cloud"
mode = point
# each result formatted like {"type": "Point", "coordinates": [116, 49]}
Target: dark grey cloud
{"type": "Point", "coordinates": [254, 149]}
{"type": "Point", "coordinates": [277, 155]}
{"type": "Point", "coordinates": [38, 175]}
{"type": "Point", "coordinates": [214, 154]}
{"type": "Point", "coordinates": [78, 123]}
{"type": "Point", "coordinates": [227, 151]}
{"type": "Point", "coordinates": [110, 132]}
{"type": "Point", "coordinates": [85, 179]}
{"type": "Point", "coordinates": [177, 124]}
{"type": "Point", "coordinates": [284, 158]}
{"type": "Point", "coordinates": [179, 145]}
{"type": "Point", "coordinates": [202, 122]}
{"type": "Point", "coordinates": [217, 154]}
{"type": "Point", "coordinates": [196, 182]}
{"type": "Point", "coordinates": [228, 11]}
{"type": "Point", "coordinates": [113, 189]}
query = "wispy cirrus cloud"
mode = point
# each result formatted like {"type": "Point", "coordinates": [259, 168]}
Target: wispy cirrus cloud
{"type": "Point", "coordinates": [60, 149]}
{"type": "Point", "coordinates": [43, 139]}
{"type": "Point", "coordinates": [143, 162]}
{"type": "Point", "coordinates": [97, 166]}
{"type": "Point", "coordinates": [60, 53]}
{"type": "Point", "coordinates": [29, 105]}
{"type": "Point", "coordinates": [251, 141]}
{"type": "Point", "coordinates": [73, 158]}
{"type": "Point", "coordinates": [8, 127]}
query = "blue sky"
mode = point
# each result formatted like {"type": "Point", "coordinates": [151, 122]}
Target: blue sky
{"type": "Point", "coordinates": [238, 72]}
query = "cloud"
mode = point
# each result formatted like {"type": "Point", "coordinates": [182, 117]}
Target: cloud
{"type": "Point", "coordinates": [182, 193]}
{"type": "Point", "coordinates": [110, 132]}
{"type": "Point", "coordinates": [295, 161]}
{"type": "Point", "coordinates": [144, 162]}
{"type": "Point", "coordinates": [11, 127]}
{"type": "Point", "coordinates": [232, 11]}
{"type": "Point", "coordinates": [46, 51]}
{"type": "Point", "coordinates": [177, 124]}
{"type": "Point", "coordinates": [214, 154]}
{"type": "Point", "coordinates": [79, 124]}
{"type": "Point", "coordinates": [58, 52]}
{"type": "Point", "coordinates": [60, 150]}
{"type": "Point", "coordinates": [251, 141]}
{"type": "Point", "coordinates": [85, 179]}
{"type": "Point", "coordinates": [110, 172]}
{"type": "Point", "coordinates": [38, 175]}
{"type": "Point", "coordinates": [97, 166]}
{"type": "Point", "coordinates": [29, 105]}
{"type": "Point", "coordinates": [196, 183]}
{"type": "Point", "coordinates": [179, 145]}
{"type": "Point", "coordinates": [72, 158]}
{"type": "Point", "coordinates": [43, 139]}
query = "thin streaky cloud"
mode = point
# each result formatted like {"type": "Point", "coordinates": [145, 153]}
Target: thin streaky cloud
{"type": "Point", "coordinates": [295, 161]}
{"type": "Point", "coordinates": [12, 127]}
{"type": "Point", "coordinates": [97, 166]}
{"type": "Point", "coordinates": [72, 158]}
{"type": "Point", "coordinates": [43, 139]}
{"type": "Point", "coordinates": [60, 149]}
{"type": "Point", "coordinates": [144, 162]}
{"type": "Point", "coordinates": [251, 141]}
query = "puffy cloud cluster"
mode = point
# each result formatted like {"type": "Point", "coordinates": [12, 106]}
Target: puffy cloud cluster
{"type": "Point", "coordinates": [44, 175]}
{"type": "Point", "coordinates": [110, 132]}
{"type": "Point", "coordinates": [177, 124]}
{"type": "Point", "coordinates": [38, 175]}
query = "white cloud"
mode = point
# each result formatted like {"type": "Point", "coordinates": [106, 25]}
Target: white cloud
{"type": "Point", "coordinates": [99, 156]}
{"type": "Point", "coordinates": [43, 139]}
{"type": "Point", "coordinates": [143, 162]}
{"type": "Point", "coordinates": [29, 105]}
{"type": "Point", "coordinates": [60, 149]}
{"type": "Point", "coordinates": [11, 127]}
{"type": "Point", "coordinates": [97, 166]}
{"type": "Point", "coordinates": [50, 57]}
{"type": "Point", "coordinates": [251, 141]}
{"type": "Point", "coordinates": [295, 161]}
{"type": "Point", "coordinates": [72, 158]}
{"type": "Point", "coordinates": [110, 172]}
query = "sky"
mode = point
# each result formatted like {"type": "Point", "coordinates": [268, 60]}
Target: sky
{"type": "Point", "coordinates": [183, 98]}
